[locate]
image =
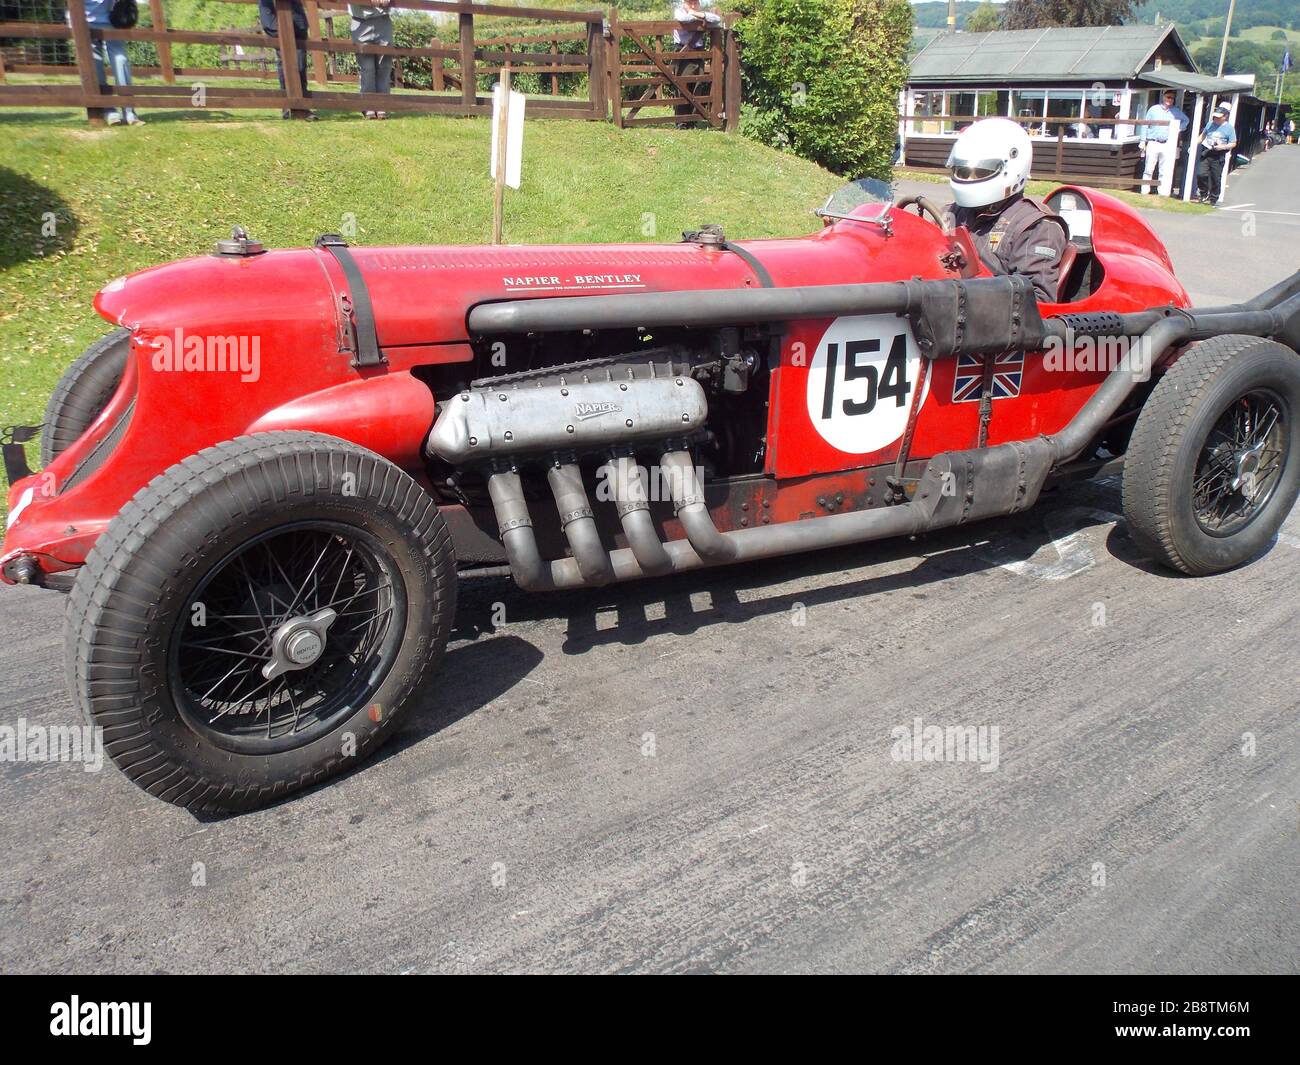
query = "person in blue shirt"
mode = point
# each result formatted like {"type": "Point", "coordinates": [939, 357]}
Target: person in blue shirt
{"type": "Point", "coordinates": [1155, 140]}
{"type": "Point", "coordinates": [97, 12]}
{"type": "Point", "coordinates": [1217, 143]}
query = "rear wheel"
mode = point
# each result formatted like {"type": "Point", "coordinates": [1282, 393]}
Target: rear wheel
{"type": "Point", "coordinates": [258, 618]}
{"type": "Point", "coordinates": [83, 392]}
{"type": "Point", "coordinates": [1213, 466]}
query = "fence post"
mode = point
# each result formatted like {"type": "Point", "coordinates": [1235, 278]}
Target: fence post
{"type": "Point", "coordinates": [314, 30]}
{"type": "Point", "coordinates": [1060, 150]}
{"type": "Point", "coordinates": [615, 64]}
{"type": "Point", "coordinates": [293, 86]}
{"type": "Point", "coordinates": [159, 19]}
{"type": "Point", "coordinates": [597, 79]}
{"type": "Point", "coordinates": [731, 86]}
{"type": "Point", "coordinates": [2, 68]}
{"type": "Point", "coordinates": [85, 58]}
{"type": "Point", "coordinates": [555, 78]}
{"type": "Point", "coordinates": [468, 83]}
{"type": "Point", "coordinates": [716, 68]}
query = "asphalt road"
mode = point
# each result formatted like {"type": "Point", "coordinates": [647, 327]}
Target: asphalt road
{"type": "Point", "coordinates": [678, 776]}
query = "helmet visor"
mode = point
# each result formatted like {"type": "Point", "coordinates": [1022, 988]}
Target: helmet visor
{"type": "Point", "coordinates": [965, 170]}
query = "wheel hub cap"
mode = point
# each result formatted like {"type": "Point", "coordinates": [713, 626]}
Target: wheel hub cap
{"type": "Point", "coordinates": [298, 642]}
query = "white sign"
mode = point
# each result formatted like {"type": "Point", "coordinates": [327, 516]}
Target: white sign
{"type": "Point", "coordinates": [861, 380]}
{"type": "Point", "coordinates": [514, 134]}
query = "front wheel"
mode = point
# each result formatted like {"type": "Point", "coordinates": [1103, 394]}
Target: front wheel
{"type": "Point", "coordinates": [258, 618]}
{"type": "Point", "coordinates": [1213, 466]}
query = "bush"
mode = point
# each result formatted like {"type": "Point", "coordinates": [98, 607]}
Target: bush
{"type": "Point", "coordinates": [821, 78]}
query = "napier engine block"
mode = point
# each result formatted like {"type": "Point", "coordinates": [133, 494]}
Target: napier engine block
{"type": "Point", "coordinates": [604, 407]}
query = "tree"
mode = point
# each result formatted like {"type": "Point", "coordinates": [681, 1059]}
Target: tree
{"type": "Point", "coordinates": [821, 78]}
{"type": "Point", "coordinates": [984, 18]}
{"type": "Point", "coordinates": [1035, 14]}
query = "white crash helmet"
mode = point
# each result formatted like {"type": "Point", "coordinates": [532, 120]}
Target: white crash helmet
{"type": "Point", "coordinates": [990, 162]}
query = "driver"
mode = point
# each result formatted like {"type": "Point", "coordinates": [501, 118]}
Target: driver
{"type": "Point", "coordinates": [987, 170]}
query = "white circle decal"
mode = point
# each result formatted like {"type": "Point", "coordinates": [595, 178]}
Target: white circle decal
{"type": "Point", "coordinates": [861, 381]}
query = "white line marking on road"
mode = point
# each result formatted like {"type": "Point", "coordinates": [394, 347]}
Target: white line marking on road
{"type": "Point", "coordinates": [1237, 207]}
{"type": "Point", "coordinates": [1286, 214]}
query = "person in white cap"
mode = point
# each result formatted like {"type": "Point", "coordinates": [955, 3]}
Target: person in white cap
{"type": "Point", "coordinates": [1217, 143]}
{"type": "Point", "coordinates": [1159, 143]}
{"type": "Point", "coordinates": [988, 169]}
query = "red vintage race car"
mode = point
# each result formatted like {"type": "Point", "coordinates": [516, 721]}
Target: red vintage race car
{"type": "Point", "coordinates": [269, 478]}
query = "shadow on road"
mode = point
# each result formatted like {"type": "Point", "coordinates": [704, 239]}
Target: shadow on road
{"type": "Point", "coordinates": [1044, 541]}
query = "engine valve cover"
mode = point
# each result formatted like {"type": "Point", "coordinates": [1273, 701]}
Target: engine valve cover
{"type": "Point", "coordinates": [486, 423]}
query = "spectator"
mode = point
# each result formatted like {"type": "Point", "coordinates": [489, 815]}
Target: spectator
{"type": "Point", "coordinates": [1217, 143]}
{"type": "Point", "coordinates": [1082, 128]}
{"type": "Point", "coordinates": [1158, 146]}
{"type": "Point", "coordinates": [372, 24]}
{"type": "Point", "coordinates": [266, 10]}
{"type": "Point", "coordinates": [690, 36]}
{"type": "Point", "coordinates": [114, 52]}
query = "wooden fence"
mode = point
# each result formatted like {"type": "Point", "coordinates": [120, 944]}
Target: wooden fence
{"type": "Point", "coordinates": [624, 67]}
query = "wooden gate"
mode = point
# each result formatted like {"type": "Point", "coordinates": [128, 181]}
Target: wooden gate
{"type": "Point", "coordinates": [649, 73]}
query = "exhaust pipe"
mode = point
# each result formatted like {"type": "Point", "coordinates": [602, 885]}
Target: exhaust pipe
{"type": "Point", "coordinates": [955, 488]}
{"type": "Point", "coordinates": [688, 499]}
{"type": "Point", "coordinates": [578, 524]}
{"type": "Point", "coordinates": [633, 505]}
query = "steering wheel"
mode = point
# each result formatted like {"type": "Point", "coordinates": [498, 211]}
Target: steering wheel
{"type": "Point", "coordinates": [924, 207]}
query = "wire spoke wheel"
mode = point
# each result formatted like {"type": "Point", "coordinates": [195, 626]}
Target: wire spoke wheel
{"type": "Point", "coordinates": [1240, 464]}
{"type": "Point", "coordinates": [287, 634]}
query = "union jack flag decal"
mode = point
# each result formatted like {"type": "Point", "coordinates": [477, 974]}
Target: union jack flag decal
{"type": "Point", "coordinates": [968, 385]}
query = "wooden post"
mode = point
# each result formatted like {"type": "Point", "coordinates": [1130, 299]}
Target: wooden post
{"type": "Point", "coordinates": [499, 185]}
{"type": "Point", "coordinates": [597, 80]}
{"type": "Point", "coordinates": [731, 87]}
{"type": "Point", "coordinates": [293, 86]}
{"type": "Point", "coordinates": [715, 77]}
{"type": "Point", "coordinates": [1060, 149]}
{"type": "Point", "coordinates": [614, 61]}
{"type": "Point", "coordinates": [555, 78]}
{"type": "Point", "coordinates": [85, 59]}
{"type": "Point", "coordinates": [314, 29]}
{"type": "Point", "coordinates": [2, 68]}
{"type": "Point", "coordinates": [159, 19]}
{"type": "Point", "coordinates": [468, 83]}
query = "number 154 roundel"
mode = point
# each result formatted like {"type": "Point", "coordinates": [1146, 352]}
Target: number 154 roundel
{"type": "Point", "coordinates": [860, 382]}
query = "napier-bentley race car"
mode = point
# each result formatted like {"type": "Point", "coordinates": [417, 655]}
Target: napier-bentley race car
{"type": "Point", "coordinates": [264, 484]}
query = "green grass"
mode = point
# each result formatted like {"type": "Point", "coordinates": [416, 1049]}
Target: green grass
{"type": "Point", "coordinates": [126, 198]}
{"type": "Point", "coordinates": [1043, 188]}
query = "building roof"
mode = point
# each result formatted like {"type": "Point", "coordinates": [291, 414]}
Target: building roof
{"type": "Point", "coordinates": [1058, 54]}
{"type": "Point", "coordinates": [1185, 79]}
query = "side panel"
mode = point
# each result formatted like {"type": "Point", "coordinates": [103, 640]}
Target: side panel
{"type": "Point", "coordinates": [854, 416]}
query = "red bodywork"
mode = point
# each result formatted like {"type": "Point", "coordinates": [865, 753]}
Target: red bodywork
{"type": "Point", "coordinates": [286, 306]}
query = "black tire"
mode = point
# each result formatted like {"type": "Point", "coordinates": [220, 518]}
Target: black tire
{"type": "Point", "coordinates": [1182, 500]}
{"type": "Point", "coordinates": [83, 392]}
{"type": "Point", "coordinates": [194, 533]}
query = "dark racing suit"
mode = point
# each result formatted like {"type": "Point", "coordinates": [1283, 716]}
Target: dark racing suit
{"type": "Point", "coordinates": [1017, 236]}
